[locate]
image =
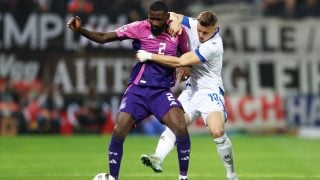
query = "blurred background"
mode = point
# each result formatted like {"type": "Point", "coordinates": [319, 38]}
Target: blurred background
{"type": "Point", "coordinates": [52, 81]}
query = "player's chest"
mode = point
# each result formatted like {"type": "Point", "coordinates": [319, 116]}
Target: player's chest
{"type": "Point", "coordinates": [159, 44]}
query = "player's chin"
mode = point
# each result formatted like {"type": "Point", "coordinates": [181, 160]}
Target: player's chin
{"type": "Point", "coordinates": [156, 28]}
{"type": "Point", "coordinates": [156, 31]}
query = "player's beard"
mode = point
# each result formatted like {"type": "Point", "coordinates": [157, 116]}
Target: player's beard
{"type": "Point", "coordinates": [156, 31]}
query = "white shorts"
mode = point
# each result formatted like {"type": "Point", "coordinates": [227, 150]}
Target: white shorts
{"type": "Point", "coordinates": [202, 102]}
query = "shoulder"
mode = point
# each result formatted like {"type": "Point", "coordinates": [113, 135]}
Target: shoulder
{"type": "Point", "coordinates": [216, 41]}
{"type": "Point", "coordinates": [134, 25]}
{"type": "Point", "coordinates": [189, 22]}
{"type": "Point", "coordinates": [133, 30]}
{"type": "Point", "coordinates": [213, 45]}
{"type": "Point", "coordinates": [142, 23]}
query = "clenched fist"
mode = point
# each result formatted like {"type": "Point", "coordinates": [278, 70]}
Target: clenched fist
{"type": "Point", "coordinates": [143, 55]}
{"type": "Point", "coordinates": [184, 73]}
{"type": "Point", "coordinates": [74, 23]}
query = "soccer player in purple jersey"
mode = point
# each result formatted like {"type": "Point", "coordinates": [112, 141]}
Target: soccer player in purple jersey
{"type": "Point", "coordinates": [204, 94]}
{"type": "Point", "coordinates": [148, 90]}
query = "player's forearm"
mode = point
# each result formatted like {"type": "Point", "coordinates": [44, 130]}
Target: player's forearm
{"type": "Point", "coordinates": [166, 60]}
{"type": "Point", "coordinates": [99, 37]}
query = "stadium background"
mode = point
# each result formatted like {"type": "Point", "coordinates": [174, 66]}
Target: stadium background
{"type": "Point", "coordinates": [54, 83]}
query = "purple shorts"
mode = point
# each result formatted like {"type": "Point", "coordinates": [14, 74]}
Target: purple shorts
{"type": "Point", "coordinates": [142, 101]}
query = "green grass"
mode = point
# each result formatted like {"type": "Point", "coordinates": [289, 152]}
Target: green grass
{"type": "Point", "coordinates": [81, 157]}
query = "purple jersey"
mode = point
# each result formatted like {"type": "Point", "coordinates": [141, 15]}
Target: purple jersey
{"type": "Point", "coordinates": [149, 73]}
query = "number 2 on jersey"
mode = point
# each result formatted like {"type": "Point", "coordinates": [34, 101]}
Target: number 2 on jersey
{"type": "Point", "coordinates": [162, 47]}
{"type": "Point", "coordinates": [170, 97]}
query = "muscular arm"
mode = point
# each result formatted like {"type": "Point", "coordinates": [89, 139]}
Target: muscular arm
{"type": "Point", "coordinates": [99, 37]}
{"type": "Point", "coordinates": [187, 59]}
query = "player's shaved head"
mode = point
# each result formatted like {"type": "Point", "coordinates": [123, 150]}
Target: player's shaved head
{"type": "Point", "coordinates": [158, 6]}
{"type": "Point", "coordinates": [207, 18]}
{"type": "Point", "coordinates": [158, 15]}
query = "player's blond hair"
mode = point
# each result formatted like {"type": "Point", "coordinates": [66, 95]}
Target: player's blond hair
{"type": "Point", "coordinates": [207, 18]}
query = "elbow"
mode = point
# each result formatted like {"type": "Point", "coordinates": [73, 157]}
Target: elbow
{"type": "Point", "coordinates": [98, 40]}
{"type": "Point", "coordinates": [103, 40]}
{"type": "Point", "coordinates": [108, 39]}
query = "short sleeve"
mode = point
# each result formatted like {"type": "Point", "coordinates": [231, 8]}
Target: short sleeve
{"type": "Point", "coordinates": [186, 22]}
{"type": "Point", "coordinates": [128, 31]}
{"type": "Point", "coordinates": [209, 50]}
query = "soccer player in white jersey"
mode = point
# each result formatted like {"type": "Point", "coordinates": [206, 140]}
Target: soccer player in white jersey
{"type": "Point", "coordinates": [204, 93]}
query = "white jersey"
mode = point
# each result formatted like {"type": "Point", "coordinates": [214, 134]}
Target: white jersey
{"type": "Point", "coordinates": [204, 92]}
{"type": "Point", "coordinates": [208, 74]}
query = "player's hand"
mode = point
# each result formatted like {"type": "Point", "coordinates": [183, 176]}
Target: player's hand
{"type": "Point", "coordinates": [175, 28]}
{"type": "Point", "coordinates": [74, 23]}
{"type": "Point", "coordinates": [174, 25]}
{"type": "Point", "coordinates": [184, 73]}
{"type": "Point", "coordinates": [143, 55]}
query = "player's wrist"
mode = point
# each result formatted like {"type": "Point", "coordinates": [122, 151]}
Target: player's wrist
{"type": "Point", "coordinates": [81, 30]}
{"type": "Point", "coordinates": [143, 55]}
{"type": "Point", "coordinates": [148, 56]}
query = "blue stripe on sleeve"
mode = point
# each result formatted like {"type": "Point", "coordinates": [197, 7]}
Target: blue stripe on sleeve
{"type": "Point", "coordinates": [185, 21]}
{"type": "Point", "coordinates": [202, 59]}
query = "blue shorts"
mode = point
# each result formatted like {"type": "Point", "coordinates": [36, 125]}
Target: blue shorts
{"type": "Point", "coordinates": [142, 101]}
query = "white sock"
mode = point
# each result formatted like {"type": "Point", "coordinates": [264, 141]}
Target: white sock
{"type": "Point", "coordinates": [224, 148]}
{"type": "Point", "coordinates": [165, 143]}
{"type": "Point", "coordinates": [183, 177]}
